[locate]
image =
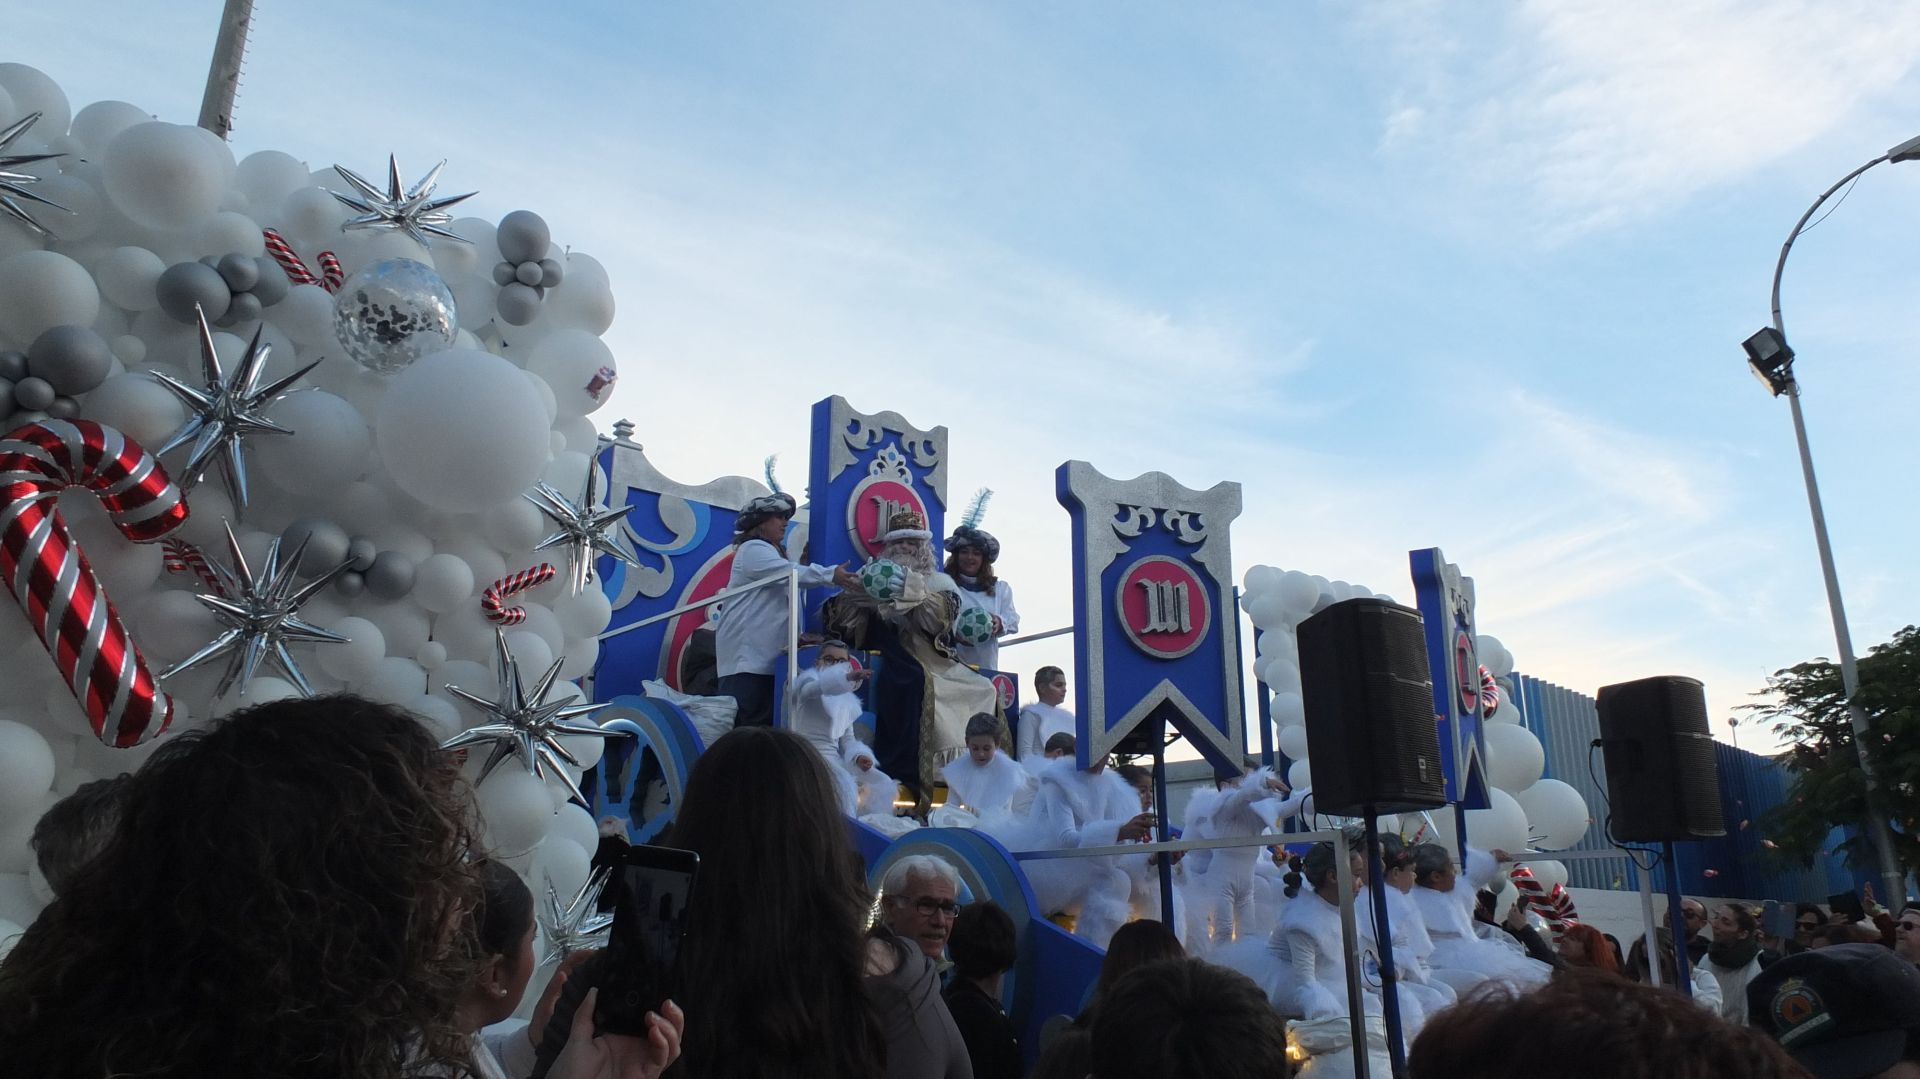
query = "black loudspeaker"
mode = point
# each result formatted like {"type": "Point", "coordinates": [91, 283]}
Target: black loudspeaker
{"type": "Point", "coordinates": [1369, 704]}
{"type": "Point", "coordinates": [1662, 781]}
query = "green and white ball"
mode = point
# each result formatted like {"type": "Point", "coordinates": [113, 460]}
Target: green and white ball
{"type": "Point", "coordinates": [974, 626]}
{"type": "Point", "coordinates": [883, 578]}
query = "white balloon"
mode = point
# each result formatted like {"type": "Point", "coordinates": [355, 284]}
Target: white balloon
{"type": "Point", "coordinates": [576, 825]}
{"type": "Point", "coordinates": [26, 767]}
{"type": "Point", "coordinates": [573, 362]}
{"type": "Point", "coordinates": [439, 714]}
{"type": "Point", "coordinates": [1515, 757]}
{"type": "Point", "coordinates": [561, 862]}
{"type": "Point", "coordinates": [1292, 741]}
{"type": "Point", "coordinates": [1504, 715]}
{"type": "Point", "coordinates": [513, 805]}
{"type": "Point", "coordinates": [327, 449]}
{"type": "Point", "coordinates": [19, 904]}
{"type": "Point", "coordinates": [584, 300]}
{"type": "Point", "coordinates": [266, 178]}
{"type": "Point", "coordinates": [403, 625]}
{"type": "Point", "coordinates": [581, 435]}
{"type": "Point", "coordinates": [1502, 827]}
{"type": "Point", "coordinates": [393, 680]}
{"type": "Point", "coordinates": [530, 652]}
{"type": "Point", "coordinates": [585, 614]}
{"type": "Point", "coordinates": [458, 431]}
{"type": "Point", "coordinates": [1556, 813]}
{"type": "Point", "coordinates": [1300, 775]}
{"type": "Point", "coordinates": [260, 689]}
{"type": "Point", "coordinates": [43, 289]}
{"type": "Point", "coordinates": [578, 658]}
{"type": "Point", "coordinates": [1260, 579]}
{"type": "Point", "coordinates": [353, 661]}
{"type": "Point", "coordinates": [515, 525]}
{"type": "Point", "coordinates": [33, 90]}
{"type": "Point", "coordinates": [1493, 655]}
{"type": "Point", "coordinates": [1267, 610]}
{"type": "Point", "coordinates": [127, 276]}
{"type": "Point", "coordinates": [467, 674]}
{"type": "Point", "coordinates": [166, 176]}
{"type": "Point", "coordinates": [97, 124]}
{"type": "Point", "coordinates": [228, 232]}
{"type": "Point", "coordinates": [1298, 592]}
{"type": "Point", "coordinates": [311, 218]}
{"type": "Point", "coordinates": [306, 315]}
{"type": "Point", "coordinates": [431, 656]}
{"type": "Point", "coordinates": [442, 583]}
{"type": "Point", "coordinates": [1289, 709]}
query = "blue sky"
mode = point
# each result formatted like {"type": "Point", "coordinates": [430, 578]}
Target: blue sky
{"type": "Point", "coordinates": [1416, 274]}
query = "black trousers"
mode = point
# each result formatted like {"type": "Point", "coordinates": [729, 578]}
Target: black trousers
{"type": "Point", "coordinates": [753, 693]}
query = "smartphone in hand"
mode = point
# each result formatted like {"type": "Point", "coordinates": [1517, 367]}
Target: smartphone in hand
{"type": "Point", "coordinates": [652, 889]}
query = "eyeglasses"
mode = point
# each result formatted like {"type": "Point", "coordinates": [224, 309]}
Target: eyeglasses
{"type": "Point", "coordinates": [929, 906]}
{"type": "Point", "coordinates": [1809, 925]}
{"type": "Point", "coordinates": [1909, 927]}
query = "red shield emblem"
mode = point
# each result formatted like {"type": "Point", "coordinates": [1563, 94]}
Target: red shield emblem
{"type": "Point", "coordinates": [871, 504]}
{"type": "Point", "coordinates": [1163, 607]}
{"type": "Point", "coordinates": [1004, 684]}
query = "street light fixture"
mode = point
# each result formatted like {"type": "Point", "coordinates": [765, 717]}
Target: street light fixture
{"type": "Point", "coordinates": [1771, 360]}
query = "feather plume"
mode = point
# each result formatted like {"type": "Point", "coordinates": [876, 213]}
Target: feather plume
{"type": "Point", "coordinates": [773, 482]}
{"type": "Point", "coordinates": [977, 508]}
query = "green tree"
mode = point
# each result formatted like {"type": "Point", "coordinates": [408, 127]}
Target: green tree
{"type": "Point", "coordinates": [1806, 707]}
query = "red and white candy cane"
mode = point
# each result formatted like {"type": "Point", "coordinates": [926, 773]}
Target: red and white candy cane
{"type": "Point", "coordinates": [55, 585]}
{"type": "Point", "coordinates": [179, 556]}
{"type": "Point", "coordinates": [330, 276]}
{"type": "Point", "coordinates": [491, 599]}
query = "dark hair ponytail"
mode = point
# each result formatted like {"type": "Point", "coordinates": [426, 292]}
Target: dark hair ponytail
{"type": "Point", "coordinates": [1292, 877]}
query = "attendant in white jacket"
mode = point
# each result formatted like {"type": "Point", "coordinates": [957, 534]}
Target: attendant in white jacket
{"type": "Point", "coordinates": [1074, 808]}
{"type": "Point", "coordinates": [1043, 718]}
{"type": "Point", "coordinates": [752, 631]}
{"type": "Point", "coordinates": [1221, 898]}
{"type": "Point", "coordinates": [1420, 994]}
{"type": "Point", "coordinates": [825, 706]}
{"type": "Point", "coordinates": [986, 784]}
{"type": "Point", "coordinates": [971, 554]}
{"type": "Point", "coordinates": [1460, 958]}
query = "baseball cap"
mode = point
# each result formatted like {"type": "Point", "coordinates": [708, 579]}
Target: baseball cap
{"type": "Point", "coordinates": [1844, 1012]}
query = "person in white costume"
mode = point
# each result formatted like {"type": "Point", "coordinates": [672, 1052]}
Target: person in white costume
{"type": "Point", "coordinates": [751, 635]}
{"type": "Point", "coordinates": [1044, 718]}
{"type": "Point", "coordinates": [1075, 808]}
{"type": "Point", "coordinates": [986, 784]}
{"type": "Point", "coordinates": [1446, 901]}
{"type": "Point", "coordinates": [1420, 993]}
{"type": "Point", "coordinates": [1143, 870]}
{"type": "Point", "coordinates": [1309, 944]}
{"type": "Point", "coordinates": [971, 554]}
{"type": "Point", "coordinates": [825, 706]}
{"type": "Point", "coordinates": [1221, 898]}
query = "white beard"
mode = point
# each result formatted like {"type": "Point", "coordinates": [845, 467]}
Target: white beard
{"type": "Point", "coordinates": [916, 555]}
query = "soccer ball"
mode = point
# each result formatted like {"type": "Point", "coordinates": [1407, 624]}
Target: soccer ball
{"type": "Point", "coordinates": [974, 626]}
{"type": "Point", "coordinates": [883, 578]}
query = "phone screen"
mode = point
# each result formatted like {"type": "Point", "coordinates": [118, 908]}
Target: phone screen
{"type": "Point", "coordinates": [652, 888]}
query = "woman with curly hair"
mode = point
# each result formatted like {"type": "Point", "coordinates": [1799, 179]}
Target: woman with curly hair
{"type": "Point", "coordinates": [287, 895]}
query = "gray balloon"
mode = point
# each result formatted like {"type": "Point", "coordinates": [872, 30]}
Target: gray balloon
{"type": "Point", "coordinates": [391, 575]}
{"type": "Point", "coordinates": [240, 272]}
{"type": "Point", "coordinates": [74, 358]}
{"type": "Point", "coordinates": [6, 394]}
{"type": "Point", "coordinates": [504, 273]}
{"type": "Point", "coordinates": [184, 284]}
{"type": "Point", "coordinates": [551, 272]}
{"type": "Point", "coordinates": [523, 236]}
{"type": "Point", "coordinates": [362, 552]}
{"type": "Point", "coordinates": [13, 365]}
{"type": "Point", "coordinates": [245, 308]}
{"type": "Point", "coordinates": [350, 584]}
{"type": "Point", "coordinates": [272, 284]}
{"type": "Point", "coordinates": [326, 544]}
{"type": "Point", "coordinates": [518, 304]}
{"type": "Point", "coordinates": [63, 408]}
{"type": "Point", "coordinates": [33, 394]}
{"type": "Point", "coordinates": [528, 273]}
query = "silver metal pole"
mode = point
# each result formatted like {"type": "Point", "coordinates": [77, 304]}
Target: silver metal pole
{"type": "Point", "coordinates": [1892, 876]}
{"type": "Point", "coordinates": [1651, 938]}
{"type": "Point", "coordinates": [793, 641]}
{"type": "Point", "coordinates": [223, 72]}
{"type": "Point", "coordinates": [1350, 940]}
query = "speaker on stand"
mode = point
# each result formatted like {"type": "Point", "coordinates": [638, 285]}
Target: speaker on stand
{"type": "Point", "coordinates": [1375, 747]}
{"type": "Point", "coordinates": [1663, 783]}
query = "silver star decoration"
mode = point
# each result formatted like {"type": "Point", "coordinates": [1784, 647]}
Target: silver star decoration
{"type": "Point", "coordinates": [584, 529]}
{"type": "Point", "coordinates": [224, 411]}
{"type": "Point", "coordinates": [579, 923]}
{"type": "Point", "coordinates": [262, 615]}
{"type": "Point", "coordinates": [411, 210]}
{"type": "Point", "coordinates": [527, 725]}
{"type": "Point", "coordinates": [12, 184]}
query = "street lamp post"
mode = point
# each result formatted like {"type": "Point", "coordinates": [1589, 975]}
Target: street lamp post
{"type": "Point", "coordinates": [1772, 362]}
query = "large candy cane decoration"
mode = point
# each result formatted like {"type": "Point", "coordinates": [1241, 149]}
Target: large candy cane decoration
{"type": "Point", "coordinates": [493, 600]}
{"type": "Point", "coordinates": [50, 576]}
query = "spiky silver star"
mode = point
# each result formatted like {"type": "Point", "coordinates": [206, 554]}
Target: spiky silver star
{"type": "Point", "coordinates": [12, 183]}
{"type": "Point", "coordinates": [579, 923]}
{"type": "Point", "coordinates": [262, 615]}
{"type": "Point", "coordinates": [526, 724]}
{"type": "Point", "coordinates": [411, 210]}
{"type": "Point", "coordinates": [584, 529]}
{"type": "Point", "coordinates": [225, 411]}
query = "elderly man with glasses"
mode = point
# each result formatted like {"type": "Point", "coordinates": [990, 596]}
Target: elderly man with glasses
{"type": "Point", "coordinates": [1699, 939]}
{"type": "Point", "coordinates": [920, 899]}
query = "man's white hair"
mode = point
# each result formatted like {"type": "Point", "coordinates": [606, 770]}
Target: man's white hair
{"type": "Point", "coordinates": [931, 866]}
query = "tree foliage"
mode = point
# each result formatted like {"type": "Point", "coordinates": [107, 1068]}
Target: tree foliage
{"type": "Point", "coordinates": [1807, 708]}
